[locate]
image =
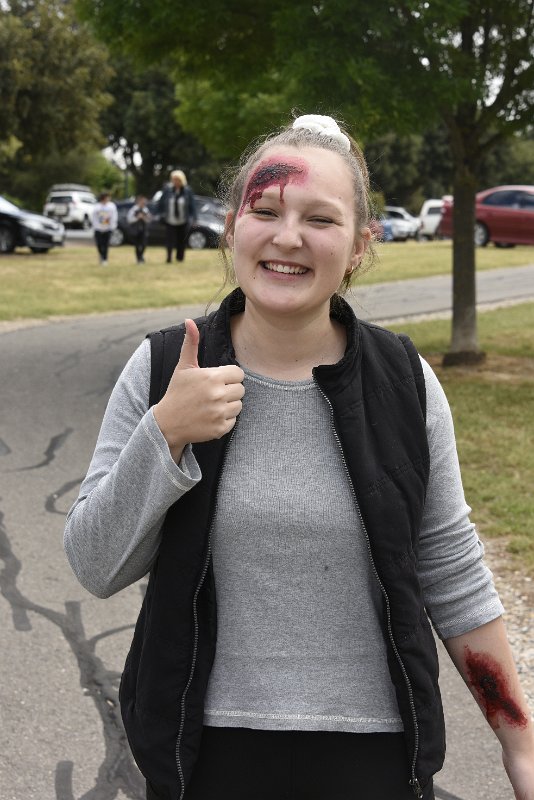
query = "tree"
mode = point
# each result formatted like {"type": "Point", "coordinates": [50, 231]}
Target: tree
{"type": "Point", "coordinates": [409, 169]}
{"type": "Point", "coordinates": [141, 124]}
{"type": "Point", "coordinates": [77, 166]}
{"type": "Point", "coordinates": [53, 76]}
{"type": "Point", "coordinates": [466, 64]}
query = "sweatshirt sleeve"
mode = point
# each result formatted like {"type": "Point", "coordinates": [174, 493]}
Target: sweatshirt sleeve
{"type": "Point", "coordinates": [113, 530]}
{"type": "Point", "coordinates": [458, 588]}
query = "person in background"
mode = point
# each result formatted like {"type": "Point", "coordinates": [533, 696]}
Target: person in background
{"type": "Point", "coordinates": [176, 207]}
{"type": "Point", "coordinates": [293, 490]}
{"type": "Point", "coordinates": [104, 223]}
{"type": "Point", "coordinates": [138, 219]}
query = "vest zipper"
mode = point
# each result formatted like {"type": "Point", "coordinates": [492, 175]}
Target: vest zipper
{"type": "Point", "coordinates": [414, 782]}
{"type": "Point", "coordinates": [195, 621]}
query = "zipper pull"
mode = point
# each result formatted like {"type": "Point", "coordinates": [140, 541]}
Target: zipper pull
{"type": "Point", "coordinates": [416, 788]}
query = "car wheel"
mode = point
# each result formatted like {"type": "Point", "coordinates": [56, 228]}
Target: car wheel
{"type": "Point", "coordinates": [39, 249]}
{"type": "Point", "coordinates": [117, 237]}
{"type": "Point", "coordinates": [86, 224]}
{"type": "Point", "coordinates": [7, 239]}
{"type": "Point", "coordinates": [504, 244]}
{"type": "Point", "coordinates": [197, 240]}
{"type": "Point", "coordinates": [481, 234]}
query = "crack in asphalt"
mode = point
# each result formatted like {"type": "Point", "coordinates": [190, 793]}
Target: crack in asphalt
{"type": "Point", "coordinates": [106, 343]}
{"type": "Point", "coordinates": [69, 361]}
{"type": "Point", "coordinates": [50, 502]}
{"type": "Point", "coordinates": [117, 772]}
{"type": "Point", "coordinates": [8, 582]}
{"type": "Point", "coordinates": [56, 442]}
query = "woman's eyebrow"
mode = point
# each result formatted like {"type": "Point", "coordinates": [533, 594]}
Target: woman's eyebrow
{"type": "Point", "coordinates": [272, 193]}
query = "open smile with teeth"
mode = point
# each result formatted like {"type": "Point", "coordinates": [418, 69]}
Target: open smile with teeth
{"type": "Point", "coordinates": [285, 268]}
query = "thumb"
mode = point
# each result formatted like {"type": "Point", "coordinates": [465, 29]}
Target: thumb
{"type": "Point", "coordinates": [189, 352]}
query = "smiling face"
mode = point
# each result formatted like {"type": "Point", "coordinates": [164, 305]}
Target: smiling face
{"type": "Point", "coordinates": [294, 237]}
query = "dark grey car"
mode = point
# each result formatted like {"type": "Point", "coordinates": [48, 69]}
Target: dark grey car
{"type": "Point", "coordinates": [20, 228]}
{"type": "Point", "coordinates": [205, 232]}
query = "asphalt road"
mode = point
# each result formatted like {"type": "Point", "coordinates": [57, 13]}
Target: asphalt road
{"type": "Point", "coordinates": [61, 650]}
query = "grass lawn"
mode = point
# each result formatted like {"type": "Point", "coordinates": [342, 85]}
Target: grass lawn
{"type": "Point", "coordinates": [493, 411]}
{"type": "Point", "coordinates": [69, 280]}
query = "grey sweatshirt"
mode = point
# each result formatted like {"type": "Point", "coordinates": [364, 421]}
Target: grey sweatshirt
{"type": "Point", "coordinates": [300, 642]}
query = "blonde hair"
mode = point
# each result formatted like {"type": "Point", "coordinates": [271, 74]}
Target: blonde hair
{"type": "Point", "coordinates": [233, 184]}
{"type": "Point", "coordinates": [177, 173]}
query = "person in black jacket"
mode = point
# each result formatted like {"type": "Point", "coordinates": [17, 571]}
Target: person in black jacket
{"type": "Point", "coordinates": [138, 219]}
{"type": "Point", "coordinates": [287, 476]}
{"type": "Point", "coordinates": [177, 209]}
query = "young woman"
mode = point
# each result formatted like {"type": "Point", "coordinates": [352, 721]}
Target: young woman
{"type": "Point", "coordinates": [177, 209]}
{"type": "Point", "coordinates": [295, 494]}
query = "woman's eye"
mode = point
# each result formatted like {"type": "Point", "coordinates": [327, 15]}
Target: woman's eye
{"type": "Point", "coordinates": [322, 220]}
{"type": "Point", "coordinates": [263, 212]}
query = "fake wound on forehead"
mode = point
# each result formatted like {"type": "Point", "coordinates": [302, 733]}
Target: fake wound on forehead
{"type": "Point", "coordinates": [274, 172]}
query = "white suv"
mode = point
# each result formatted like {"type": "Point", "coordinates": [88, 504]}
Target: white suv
{"type": "Point", "coordinates": [70, 203]}
{"type": "Point", "coordinates": [430, 216]}
{"type": "Point", "coordinates": [404, 225]}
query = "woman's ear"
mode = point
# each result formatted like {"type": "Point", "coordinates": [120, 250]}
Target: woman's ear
{"type": "Point", "coordinates": [360, 246]}
{"type": "Point", "coordinates": [229, 227]}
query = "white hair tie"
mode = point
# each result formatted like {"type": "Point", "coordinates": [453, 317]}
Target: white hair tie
{"type": "Point", "coordinates": [325, 126]}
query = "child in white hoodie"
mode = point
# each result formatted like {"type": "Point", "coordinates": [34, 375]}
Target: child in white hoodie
{"type": "Point", "coordinates": [104, 222]}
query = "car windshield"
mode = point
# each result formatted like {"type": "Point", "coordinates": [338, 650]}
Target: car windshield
{"type": "Point", "coordinates": [5, 205]}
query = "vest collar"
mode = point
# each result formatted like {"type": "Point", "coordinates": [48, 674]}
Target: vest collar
{"type": "Point", "coordinates": [219, 348]}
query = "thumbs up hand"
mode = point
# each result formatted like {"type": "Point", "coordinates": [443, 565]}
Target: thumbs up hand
{"type": "Point", "coordinates": [200, 404]}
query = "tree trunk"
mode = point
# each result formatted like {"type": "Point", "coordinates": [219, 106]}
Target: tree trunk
{"type": "Point", "coordinates": [464, 343]}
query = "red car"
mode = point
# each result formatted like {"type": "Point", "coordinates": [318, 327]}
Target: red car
{"type": "Point", "coordinates": [504, 215]}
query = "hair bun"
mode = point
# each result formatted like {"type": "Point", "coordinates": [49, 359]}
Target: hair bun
{"type": "Point", "coordinates": [325, 126]}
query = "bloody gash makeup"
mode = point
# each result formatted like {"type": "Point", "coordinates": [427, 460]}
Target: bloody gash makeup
{"type": "Point", "coordinates": [273, 172]}
{"type": "Point", "coordinates": [488, 679]}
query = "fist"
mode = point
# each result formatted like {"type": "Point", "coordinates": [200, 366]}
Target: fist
{"type": "Point", "coordinates": [199, 404]}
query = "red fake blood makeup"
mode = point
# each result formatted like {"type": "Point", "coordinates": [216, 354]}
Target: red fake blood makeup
{"type": "Point", "coordinates": [488, 679]}
{"type": "Point", "coordinates": [273, 172]}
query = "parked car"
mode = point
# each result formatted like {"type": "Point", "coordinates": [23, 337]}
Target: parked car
{"type": "Point", "coordinates": [205, 232]}
{"type": "Point", "coordinates": [382, 229]}
{"type": "Point", "coordinates": [405, 226]}
{"type": "Point", "coordinates": [429, 217]}
{"type": "Point", "coordinates": [399, 227]}
{"type": "Point", "coordinates": [70, 203]}
{"type": "Point", "coordinates": [20, 228]}
{"type": "Point", "coordinates": [504, 215]}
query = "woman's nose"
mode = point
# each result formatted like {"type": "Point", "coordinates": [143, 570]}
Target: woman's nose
{"type": "Point", "coordinates": [287, 234]}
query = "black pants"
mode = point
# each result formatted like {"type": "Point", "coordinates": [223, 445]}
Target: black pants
{"type": "Point", "coordinates": [140, 240]}
{"type": "Point", "coordinates": [102, 243]}
{"type": "Point", "coordinates": [244, 764]}
{"type": "Point", "coordinates": [175, 238]}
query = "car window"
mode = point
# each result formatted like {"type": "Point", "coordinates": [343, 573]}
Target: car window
{"type": "Point", "coordinates": [60, 198]}
{"type": "Point", "coordinates": [526, 200]}
{"type": "Point", "coordinates": [87, 198]}
{"type": "Point", "coordinates": [506, 197]}
{"type": "Point", "coordinates": [395, 214]}
{"type": "Point", "coordinates": [434, 210]}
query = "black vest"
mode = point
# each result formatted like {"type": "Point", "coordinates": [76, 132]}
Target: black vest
{"type": "Point", "coordinates": [376, 395]}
